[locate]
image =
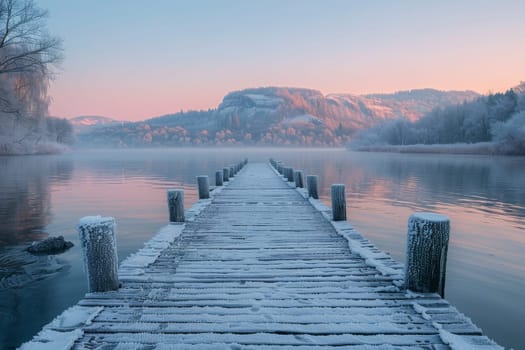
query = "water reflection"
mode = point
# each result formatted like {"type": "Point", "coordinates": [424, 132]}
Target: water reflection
{"type": "Point", "coordinates": [24, 195]}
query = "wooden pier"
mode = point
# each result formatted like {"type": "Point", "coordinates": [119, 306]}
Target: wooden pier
{"type": "Point", "coordinates": [260, 265]}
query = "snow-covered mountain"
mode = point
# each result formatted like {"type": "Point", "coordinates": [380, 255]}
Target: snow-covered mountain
{"type": "Point", "coordinates": [278, 116]}
{"type": "Point", "coordinates": [84, 123]}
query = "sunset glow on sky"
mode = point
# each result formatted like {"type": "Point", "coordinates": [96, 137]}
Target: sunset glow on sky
{"type": "Point", "coordinates": [132, 60]}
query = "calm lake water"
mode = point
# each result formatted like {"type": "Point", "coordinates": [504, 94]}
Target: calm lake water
{"type": "Point", "coordinates": [46, 195]}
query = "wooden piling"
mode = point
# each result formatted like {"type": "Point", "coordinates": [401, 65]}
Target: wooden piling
{"type": "Point", "coordinates": [311, 184]}
{"type": "Point", "coordinates": [218, 178]}
{"type": "Point", "coordinates": [298, 178]}
{"type": "Point", "coordinates": [289, 174]}
{"type": "Point", "coordinates": [176, 205]}
{"type": "Point", "coordinates": [203, 185]}
{"type": "Point", "coordinates": [99, 252]}
{"type": "Point", "coordinates": [338, 202]}
{"type": "Point", "coordinates": [225, 174]}
{"type": "Point", "coordinates": [426, 257]}
{"type": "Point", "coordinates": [232, 171]}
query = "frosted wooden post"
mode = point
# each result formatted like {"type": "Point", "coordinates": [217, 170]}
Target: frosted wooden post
{"type": "Point", "coordinates": [99, 252]}
{"type": "Point", "coordinates": [176, 205]}
{"type": "Point", "coordinates": [225, 174]}
{"type": "Point", "coordinates": [280, 168]}
{"type": "Point", "coordinates": [218, 178]}
{"type": "Point", "coordinates": [311, 184]}
{"type": "Point", "coordinates": [338, 202]}
{"type": "Point", "coordinates": [427, 246]}
{"type": "Point", "coordinates": [232, 171]}
{"type": "Point", "coordinates": [203, 185]}
{"type": "Point", "coordinates": [298, 178]}
{"type": "Point", "coordinates": [289, 174]}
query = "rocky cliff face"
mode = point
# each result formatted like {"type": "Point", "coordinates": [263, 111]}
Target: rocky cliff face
{"type": "Point", "coordinates": [278, 116]}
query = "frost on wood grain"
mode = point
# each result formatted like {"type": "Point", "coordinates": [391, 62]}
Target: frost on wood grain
{"type": "Point", "coordinates": [99, 252]}
{"type": "Point", "coordinates": [311, 184]}
{"type": "Point", "coordinates": [203, 186]}
{"type": "Point", "coordinates": [176, 205]}
{"type": "Point", "coordinates": [338, 202]}
{"type": "Point", "coordinates": [48, 339]}
{"type": "Point", "coordinates": [64, 330]}
{"type": "Point", "coordinates": [298, 178]}
{"type": "Point", "coordinates": [136, 263]}
{"type": "Point", "coordinates": [218, 178]}
{"type": "Point", "coordinates": [427, 245]}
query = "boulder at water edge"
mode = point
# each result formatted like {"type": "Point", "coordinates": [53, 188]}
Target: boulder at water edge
{"type": "Point", "coordinates": [50, 245]}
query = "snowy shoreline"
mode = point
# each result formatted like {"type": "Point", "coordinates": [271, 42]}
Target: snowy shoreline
{"type": "Point", "coordinates": [481, 148]}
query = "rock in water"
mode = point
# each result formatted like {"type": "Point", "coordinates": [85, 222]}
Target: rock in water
{"type": "Point", "coordinates": [50, 245]}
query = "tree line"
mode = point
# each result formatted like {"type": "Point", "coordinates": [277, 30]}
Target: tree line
{"type": "Point", "coordinates": [28, 58]}
{"type": "Point", "coordinates": [497, 118]}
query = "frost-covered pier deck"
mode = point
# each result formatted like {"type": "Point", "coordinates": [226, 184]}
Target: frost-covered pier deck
{"type": "Point", "coordinates": [260, 266]}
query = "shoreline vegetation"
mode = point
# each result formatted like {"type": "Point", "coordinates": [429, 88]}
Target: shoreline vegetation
{"type": "Point", "coordinates": [480, 148]}
{"type": "Point", "coordinates": [492, 124]}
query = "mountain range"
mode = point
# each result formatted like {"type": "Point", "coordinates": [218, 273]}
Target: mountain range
{"type": "Point", "coordinates": [269, 116]}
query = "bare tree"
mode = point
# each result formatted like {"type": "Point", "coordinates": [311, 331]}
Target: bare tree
{"type": "Point", "coordinates": [28, 56]}
{"type": "Point", "coordinates": [25, 43]}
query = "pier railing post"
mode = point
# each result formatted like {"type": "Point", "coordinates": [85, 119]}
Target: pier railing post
{"type": "Point", "coordinates": [298, 178]}
{"type": "Point", "coordinates": [311, 184]}
{"type": "Point", "coordinates": [176, 205]}
{"type": "Point", "coordinates": [338, 202]}
{"type": "Point", "coordinates": [225, 174]}
{"type": "Point", "coordinates": [426, 257]}
{"type": "Point", "coordinates": [218, 178]}
{"type": "Point", "coordinates": [203, 185]}
{"type": "Point", "coordinates": [99, 252]}
{"type": "Point", "coordinates": [289, 174]}
{"type": "Point", "coordinates": [232, 171]}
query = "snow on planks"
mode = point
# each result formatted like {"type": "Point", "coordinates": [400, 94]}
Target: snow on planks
{"type": "Point", "coordinates": [259, 267]}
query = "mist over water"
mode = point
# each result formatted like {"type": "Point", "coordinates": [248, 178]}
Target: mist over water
{"type": "Point", "coordinates": [46, 195]}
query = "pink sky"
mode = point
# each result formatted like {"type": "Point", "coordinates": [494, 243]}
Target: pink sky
{"type": "Point", "coordinates": [133, 63]}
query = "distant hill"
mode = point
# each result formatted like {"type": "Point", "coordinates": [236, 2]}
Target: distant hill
{"type": "Point", "coordinates": [494, 123]}
{"type": "Point", "coordinates": [275, 116]}
{"type": "Point", "coordinates": [88, 122]}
